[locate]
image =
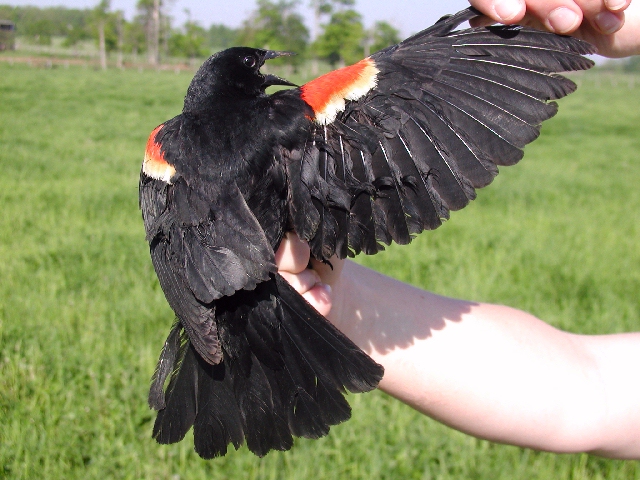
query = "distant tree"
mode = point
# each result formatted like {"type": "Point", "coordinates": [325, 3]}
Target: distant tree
{"type": "Point", "coordinates": [342, 40]}
{"type": "Point", "coordinates": [41, 24]}
{"type": "Point", "coordinates": [384, 35]}
{"type": "Point", "coordinates": [42, 30]}
{"type": "Point", "coordinates": [188, 42]}
{"type": "Point", "coordinates": [276, 26]}
{"type": "Point", "coordinates": [156, 24]}
{"type": "Point", "coordinates": [322, 8]}
{"type": "Point", "coordinates": [296, 38]}
{"type": "Point", "coordinates": [100, 19]}
{"type": "Point", "coordinates": [134, 39]}
{"type": "Point", "coordinates": [325, 7]}
{"type": "Point", "coordinates": [76, 34]}
{"type": "Point", "coordinates": [119, 24]}
{"type": "Point", "coordinates": [220, 37]}
{"type": "Point", "coordinates": [6, 12]}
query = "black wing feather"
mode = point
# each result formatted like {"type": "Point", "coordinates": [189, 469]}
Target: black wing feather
{"type": "Point", "coordinates": [448, 108]}
{"type": "Point", "coordinates": [201, 252]}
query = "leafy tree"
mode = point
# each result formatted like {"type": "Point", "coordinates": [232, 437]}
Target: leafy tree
{"type": "Point", "coordinates": [383, 36]}
{"type": "Point", "coordinates": [342, 40]}
{"type": "Point", "coordinates": [119, 30]}
{"type": "Point", "coordinates": [156, 24]}
{"type": "Point", "coordinates": [41, 24]}
{"type": "Point", "coordinates": [276, 26]}
{"type": "Point", "coordinates": [100, 19]}
{"type": "Point", "coordinates": [322, 8]}
{"type": "Point", "coordinates": [76, 34]}
{"type": "Point", "coordinates": [42, 30]}
{"type": "Point", "coordinates": [190, 42]}
{"type": "Point", "coordinates": [134, 37]}
{"type": "Point", "coordinates": [325, 7]}
{"type": "Point", "coordinates": [220, 37]}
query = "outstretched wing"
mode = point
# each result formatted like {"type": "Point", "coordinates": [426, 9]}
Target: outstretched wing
{"type": "Point", "coordinates": [205, 241]}
{"type": "Point", "coordinates": [408, 134]}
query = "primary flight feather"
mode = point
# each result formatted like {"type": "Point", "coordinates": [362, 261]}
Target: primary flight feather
{"type": "Point", "coordinates": [369, 154]}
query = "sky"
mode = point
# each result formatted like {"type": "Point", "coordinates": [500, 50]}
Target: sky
{"type": "Point", "coordinates": [408, 16]}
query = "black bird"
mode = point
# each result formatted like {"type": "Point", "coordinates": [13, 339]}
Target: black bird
{"type": "Point", "coordinates": [369, 154]}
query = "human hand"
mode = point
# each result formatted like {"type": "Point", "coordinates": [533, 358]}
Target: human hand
{"type": "Point", "coordinates": [613, 26]}
{"type": "Point", "coordinates": [315, 283]}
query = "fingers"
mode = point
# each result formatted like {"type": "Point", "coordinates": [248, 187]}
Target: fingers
{"type": "Point", "coordinates": [303, 281]}
{"type": "Point", "coordinates": [307, 283]}
{"type": "Point", "coordinates": [606, 17]}
{"type": "Point", "coordinates": [558, 16]}
{"type": "Point", "coordinates": [292, 259]}
{"type": "Point", "coordinates": [502, 11]}
{"type": "Point", "coordinates": [617, 5]}
{"type": "Point", "coordinates": [293, 254]}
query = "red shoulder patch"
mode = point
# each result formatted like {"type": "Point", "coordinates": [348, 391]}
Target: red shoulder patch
{"type": "Point", "coordinates": [327, 94]}
{"type": "Point", "coordinates": [154, 164]}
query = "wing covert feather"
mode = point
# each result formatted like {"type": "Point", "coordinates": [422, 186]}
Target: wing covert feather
{"type": "Point", "coordinates": [201, 253]}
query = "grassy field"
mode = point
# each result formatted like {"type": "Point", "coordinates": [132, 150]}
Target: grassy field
{"type": "Point", "coordinates": [82, 318]}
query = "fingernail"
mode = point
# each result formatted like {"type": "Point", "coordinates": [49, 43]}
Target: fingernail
{"type": "Point", "coordinates": [608, 22]}
{"type": "Point", "coordinates": [615, 5]}
{"type": "Point", "coordinates": [507, 9]}
{"type": "Point", "coordinates": [563, 20]}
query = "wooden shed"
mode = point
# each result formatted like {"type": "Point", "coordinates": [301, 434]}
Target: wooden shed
{"type": "Point", "coordinates": [7, 35]}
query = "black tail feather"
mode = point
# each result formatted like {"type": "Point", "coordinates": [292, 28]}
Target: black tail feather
{"type": "Point", "coordinates": [284, 373]}
{"type": "Point", "coordinates": [328, 350]}
{"type": "Point", "coordinates": [166, 364]}
{"type": "Point", "coordinates": [213, 432]}
{"type": "Point", "coordinates": [176, 418]}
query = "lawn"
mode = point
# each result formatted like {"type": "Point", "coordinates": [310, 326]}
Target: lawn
{"type": "Point", "coordinates": [82, 318]}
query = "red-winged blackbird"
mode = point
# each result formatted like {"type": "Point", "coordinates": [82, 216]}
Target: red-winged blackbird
{"type": "Point", "coordinates": [365, 155]}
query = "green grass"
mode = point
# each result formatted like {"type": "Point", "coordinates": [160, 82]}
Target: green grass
{"type": "Point", "coordinates": [82, 318]}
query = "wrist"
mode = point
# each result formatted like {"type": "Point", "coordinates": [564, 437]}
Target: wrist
{"type": "Point", "coordinates": [355, 309]}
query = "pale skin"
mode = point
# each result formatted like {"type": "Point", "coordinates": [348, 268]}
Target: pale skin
{"type": "Point", "coordinates": [489, 370]}
{"type": "Point", "coordinates": [613, 26]}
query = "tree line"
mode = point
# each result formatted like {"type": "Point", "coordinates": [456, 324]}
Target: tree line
{"type": "Point", "coordinates": [339, 35]}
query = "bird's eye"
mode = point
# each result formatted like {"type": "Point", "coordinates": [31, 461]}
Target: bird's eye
{"type": "Point", "coordinates": [249, 61]}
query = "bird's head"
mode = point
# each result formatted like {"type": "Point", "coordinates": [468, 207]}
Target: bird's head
{"type": "Point", "coordinates": [234, 72]}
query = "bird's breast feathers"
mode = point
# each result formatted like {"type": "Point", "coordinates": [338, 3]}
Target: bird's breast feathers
{"type": "Point", "coordinates": [327, 94]}
{"type": "Point", "coordinates": [154, 164]}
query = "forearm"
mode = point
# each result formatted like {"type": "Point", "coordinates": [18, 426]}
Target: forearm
{"type": "Point", "coordinates": [618, 359]}
{"type": "Point", "coordinates": [490, 371]}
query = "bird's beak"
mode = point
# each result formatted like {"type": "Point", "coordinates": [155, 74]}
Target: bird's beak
{"type": "Point", "coordinates": [271, 54]}
{"type": "Point", "coordinates": [270, 80]}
